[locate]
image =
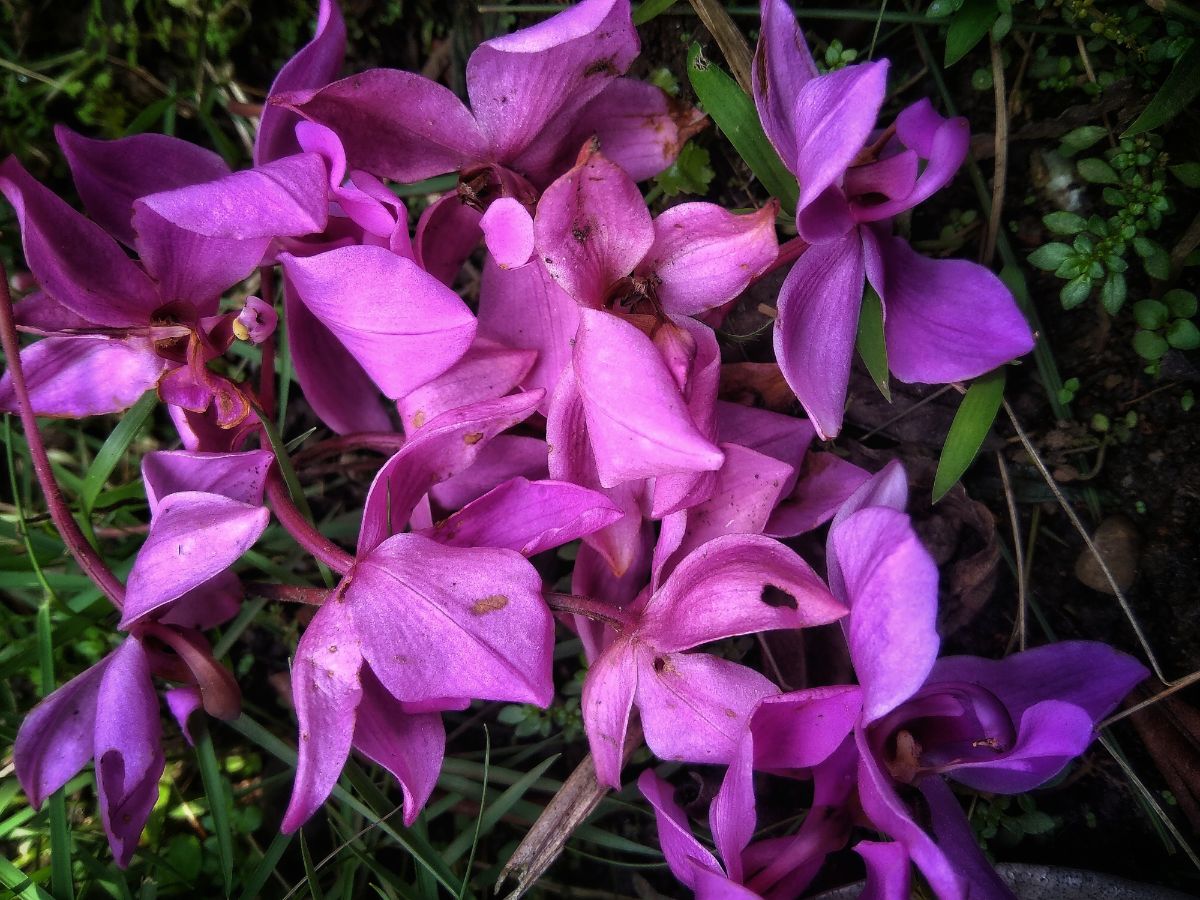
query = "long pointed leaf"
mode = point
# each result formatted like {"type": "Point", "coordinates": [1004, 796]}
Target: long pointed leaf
{"type": "Point", "coordinates": [871, 344]}
{"type": "Point", "coordinates": [218, 799]}
{"type": "Point", "coordinates": [970, 426]}
{"type": "Point", "coordinates": [114, 448]}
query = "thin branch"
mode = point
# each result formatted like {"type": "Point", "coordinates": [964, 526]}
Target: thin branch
{"type": "Point", "coordinates": [305, 534]}
{"type": "Point", "coordinates": [1000, 170]}
{"type": "Point", "coordinates": [1018, 549]}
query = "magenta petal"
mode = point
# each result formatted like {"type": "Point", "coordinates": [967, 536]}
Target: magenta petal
{"type": "Point", "coordinates": [485, 372]}
{"type": "Point", "coordinates": [890, 582]}
{"type": "Point", "coordinates": [438, 621]}
{"type": "Point", "coordinates": [508, 232]}
{"type": "Point", "coordinates": [383, 307]}
{"type": "Point", "coordinates": [816, 327]}
{"type": "Point", "coordinates": [447, 233]}
{"type": "Point", "coordinates": [893, 177]}
{"type": "Point", "coordinates": [782, 66]}
{"type": "Point", "coordinates": [704, 256]}
{"type": "Point", "coordinates": [679, 846]}
{"type": "Point", "coordinates": [947, 319]}
{"type": "Point", "coordinates": [732, 814]}
{"type": "Point", "coordinates": [441, 449]}
{"type": "Point", "coordinates": [801, 729]}
{"type": "Point", "coordinates": [327, 691]}
{"type": "Point", "coordinates": [888, 488]}
{"type": "Point", "coordinates": [956, 840]}
{"type": "Point", "coordinates": [238, 476]}
{"type": "Point", "coordinates": [73, 377]}
{"type": "Point", "coordinates": [505, 456]}
{"type": "Point", "coordinates": [208, 605]}
{"type": "Point", "coordinates": [183, 702]}
{"type": "Point", "coordinates": [832, 118]}
{"type": "Point", "coordinates": [313, 66]}
{"type": "Point", "coordinates": [784, 438]}
{"type": "Point", "coordinates": [73, 259]}
{"type": "Point", "coordinates": [409, 745]}
{"type": "Point", "coordinates": [394, 124]}
{"type": "Point", "coordinates": [615, 363]}
{"type": "Point", "coordinates": [55, 739]}
{"type": "Point", "coordinates": [607, 700]}
{"type": "Point", "coordinates": [695, 707]}
{"type": "Point", "coordinates": [522, 82]}
{"type": "Point", "coordinates": [128, 748]}
{"type": "Point", "coordinates": [335, 385]}
{"type": "Point", "coordinates": [528, 516]}
{"type": "Point", "coordinates": [724, 589]}
{"type": "Point", "coordinates": [887, 870]}
{"type": "Point", "coordinates": [194, 537]}
{"type": "Point", "coordinates": [110, 175]}
{"type": "Point", "coordinates": [524, 308]}
{"type": "Point", "coordinates": [825, 484]}
{"type": "Point", "coordinates": [592, 228]}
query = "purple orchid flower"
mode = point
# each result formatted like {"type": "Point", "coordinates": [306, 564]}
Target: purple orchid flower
{"type": "Point", "coordinates": [821, 126]}
{"type": "Point", "coordinates": [113, 328]}
{"type": "Point", "coordinates": [425, 620]}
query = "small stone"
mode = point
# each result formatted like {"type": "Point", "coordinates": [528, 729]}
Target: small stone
{"type": "Point", "coordinates": [1118, 542]}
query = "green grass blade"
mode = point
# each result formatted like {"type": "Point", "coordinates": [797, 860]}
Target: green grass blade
{"type": "Point", "coordinates": [62, 881]}
{"type": "Point", "coordinates": [19, 885]}
{"type": "Point", "coordinates": [114, 449]}
{"type": "Point", "coordinates": [310, 872]}
{"type": "Point", "coordinates": [736, 116]}
{"type": "Point", "coordinates": [1177, 92]}
{"type": "Point", "coordinates": [218, 799]}
{"type": "Point", "coordinates": [252, 886]}
{"type": "Point", "coordinates": [970, 426]}
{"type": "Point", "coordinates": [650, 9]}
{"type": "Point", "coordinates": [871, 345]}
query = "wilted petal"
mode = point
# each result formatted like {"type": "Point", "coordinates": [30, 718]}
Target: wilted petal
{"type": "Point", "coordinates": [890, 582]}
{"type": "Point", "coordinates": [110, 175]}
{"type": "Point", "coordinates": [439, 621]}
{"type": "Point", "coordinates": [394, 124]}
{"type": "Point", "coordinates": [782, 66]}
{"type": "Point", "coordinates": [816, 327]}
{"type": "Point", "coordinates": [313, 66]}
{"type": "Point", "coordinates": [383, 307]}
{"type": "Point", "coordinates": [73, 259]}
{"type": "Point", "coordinates": [638, 423]}
{"type": "Point", "coordinates": [887, 870]}
{"type": "Point", "coordinates": [832, 118]}
{"type": "Point", "coordinates": [238, 476]}
{"type": "Point", "coordinates": [73, 377]}
{"type": "Point", "coordinates": [486, 372]}
{"type": "Point", "coordinates": [801, 729]}
{"type": "Point", "coordinates": [128, 749]}
{"type": "Point", "coordinates": [520, 83]}
{"type": "Point", "coordinates": [607, 700]}
{"type": "Point", "coordinates": [947, 319]}
{"type": "Point", "coordinates": [695, 707]}
{"type": "Point", "coordinates": [592, 228]}
{"type": "Point", "coordinates": [194, 537]}
{"type": "Point", "coordinates": [56, 738]}
{"type": "Point", "coordinates": [447, 233]}
{"type": "Point", "coordinates": [508, 232]}
{"type": "Point", "coordinates": [704, 256]}
{"type": "Point", "coordinates": [327, 691]}
{"type": "Point", "coordinates": [528, 516]}
{"type": "Point", "coordinates": [675, 838]}
{"type": "Point", "coordinates": [733, 585]}
{"type": "Point", "coordinates": [409, 745]}
{"type": "Point", "coordinates": [824, 485]}
{"type": "Point", "coordinates": [524, 308]}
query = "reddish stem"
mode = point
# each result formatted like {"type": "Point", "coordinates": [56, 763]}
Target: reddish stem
{"type": "Point", "coordinates": [595, 610]}
{"type": "Point", "coordinates": [305, 534]}
{"type": "Point", "coordinates": [376, 441]}
{"type": "Point", "coordinates": [789, 252]}
{"type": "Point", "coordinates": [89, 560]}
{"type": "Point", "coordinates": [288, 593]}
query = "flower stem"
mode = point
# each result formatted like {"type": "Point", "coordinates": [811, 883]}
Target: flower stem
{"type": "Point", "coordinates": [595, 610]}
{"type": "Point", "coordinates": [89, 560]}
{"type": "Point", "coordinates": [306, 535]}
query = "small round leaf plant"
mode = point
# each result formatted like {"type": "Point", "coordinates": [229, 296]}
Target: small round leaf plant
{"type": "Point", "coordinates": [576, 401]}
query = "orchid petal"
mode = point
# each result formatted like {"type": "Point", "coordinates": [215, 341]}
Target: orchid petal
{"type": "Point", "coordinates": [933, 335]}
{"type": "Point", "coordinates": [447, 233]}
{"type": "Point", "coordinates": [675, 838]}
{"type": "Point", "coordinates": [956, 841]}
{"type": "Point", "coordinates": [825, 484]}
{"type": "Point", "coordinates": [183, 702]}
{"type": "Point", "coordinates": [505, 456]}
{"type": "Point", "coordinates": [801, 729]}
{"type": "Point", "coordinates": [238, 476]}
{"type": "Point", "coordinates": [782, 66]}
{"type": "Point", "coordinates": [606, 703]}
{"type": "Point", "coordinates": [327, 691]}
{"type": "Point", "coordinates": [468, 621]}
{"type": "Point", "coordinates": [732, 815]}
{"type": "Point", "coordinates": [382, 307]}
{"type": "Point", "coordinates": [887, 488]}
{"type": "Point", "coordinates": [206, 606]}
{"type": "Point", "coordinates": [73, 259]}
{"type": "Point", "coordinates": [485, 372]}
{"type": "Point", "coordinates": [508, 232]}
{"type": "Point", "coordinates": [816, 328]}
{"type": "Point", "coordinates": [887, 870]}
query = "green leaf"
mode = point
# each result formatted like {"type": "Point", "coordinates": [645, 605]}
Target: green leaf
{"type": "Point", "coordinates": [252, 886]}
{"type": "Point", "coordinates": [1150, 345]}
{"type": "Point", "coordinates": [1049, 257]}
{"type": "Point", "coordinates": [691, 172]}
{"type": "Point", "coordinates": [1188, 173]}
{"type": "Point", "coordinates": [970, 426]}
{"type": "Point", "coordinates": [114, 449]}
{"type": "Point", "coordinates": [1112, 295]}
{"type": "Point", "coordinates": [1183, 335]}
{"type": "Point", "coordinates": [1175, 95]}
{"type": "Point", "coordinates": [1150, 314]}
{"type": "Point", "coordinates": [1080, 139]}
{"type": "Point", "coordinates": [971, 25]}
{"type": "Point", "coordinates": [1036, 822]}
{"type": "Point", "coordinates": [496, 810]}
{"type": "Point", "coordinates": [1181, 303]}
{"type": "Point", "coordinates": [871, 345]}
{"type": "Point", "coordinates": [1065, 222]}
{"type": "Point", "coordinates": [735, 115]}
{"type": "Point", "coordinates": [649, 9]}
{"type": "Point", "coordinates": [1155, 259]}
{"type": "Point", "coordinates": [1075, 291]}
{"type": "Point", "coordinates": [1097, 171]}
{"type": "Point", "coordinates": [20, 885]}
{"type": "Point", "coordinates": [218, 798]}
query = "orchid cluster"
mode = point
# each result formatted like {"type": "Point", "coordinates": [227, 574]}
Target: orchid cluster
{"type": "Point", "coordinates": [575, 401]}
